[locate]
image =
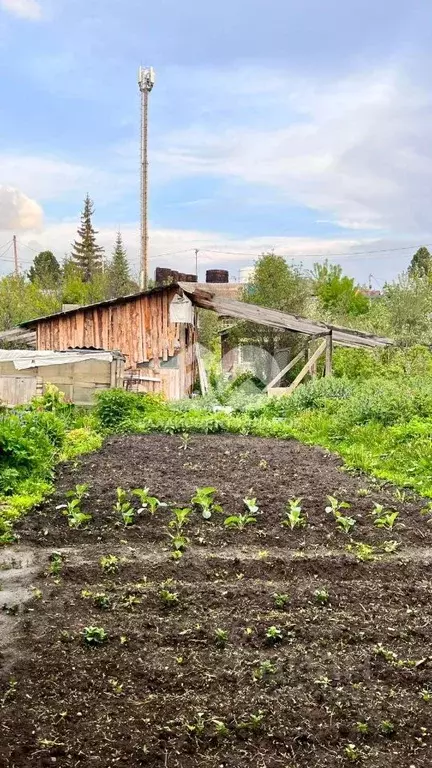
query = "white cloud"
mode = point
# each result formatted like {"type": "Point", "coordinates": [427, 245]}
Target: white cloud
{"type": "Point", "coordinates": [18, 212]}
{"type": "Point", "coordinates": [175, 247]}
{"type": "Point", "coordinates": [357, 150]}
{"type": "Point", "coordinates": [26, 9]}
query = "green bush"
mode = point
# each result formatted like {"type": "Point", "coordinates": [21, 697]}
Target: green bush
{"type": "Point", "coordinates": [117, 409]}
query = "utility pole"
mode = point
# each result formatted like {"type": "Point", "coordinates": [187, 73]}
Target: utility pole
{"type": "Point", "coordinates": [15, 252]}
{"type": "Point", "coordinates": [196, 262]}
{"type": "Point", "coordinates": [146, 80]}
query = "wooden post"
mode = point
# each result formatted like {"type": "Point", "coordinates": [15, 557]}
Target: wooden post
{"type": "Point", "coordinates": [307, 368]}
{"type": "Point", "coordinates": [329, 355]}
{"type": "Point", "coordinates": [287, 368]}
{"type": "Point", "coordinates": [312, 358]}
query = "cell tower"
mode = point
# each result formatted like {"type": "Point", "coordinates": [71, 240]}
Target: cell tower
{"type": "Point", "coordinates": [146, 81]}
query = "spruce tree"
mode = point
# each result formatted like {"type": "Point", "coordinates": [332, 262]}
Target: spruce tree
{"type": "Point", "coordinates": [120, 281]}
{"type": "Point", "coordinates": [86, 253]}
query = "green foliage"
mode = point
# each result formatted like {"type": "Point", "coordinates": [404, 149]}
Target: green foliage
{"type": "Point", "coordinates": [204, 500]}
{"type": "Point", "coordinates": [338, 293]}
{"type": "Point", "coordinates": [119, 410]}
{"type": "Point", "coordinates": [421, 263]}
{"type": "Point", "coordinates": [45, 270]}
{"type": "Point", "coordinates": [110, 563]}
{"type": "Point", "coordinates": [294, 517]}
{"type": "Point", "coordinates": [94, 636]}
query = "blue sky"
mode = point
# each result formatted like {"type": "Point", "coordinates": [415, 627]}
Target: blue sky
{"type": "Point", "coordinates": [296, 125]}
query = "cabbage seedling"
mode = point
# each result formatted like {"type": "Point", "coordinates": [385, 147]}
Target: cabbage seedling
{"type": "Point", "coordinates": [294, 516]}
{"type": "Point", "coordinates": [204, 499]}
{"type": "Point", "coordinates": [239, 521]}
{"type": "Point", "coordinates": [94, 635]}
{"type": "Point", "coordinates": [148, 502]}
{"type": "Point", "coordinates": [274, 635]}
{"type": "Point", "coordinates": [336, 506]}
{"type": "Point", "coordinates": [124, 508]}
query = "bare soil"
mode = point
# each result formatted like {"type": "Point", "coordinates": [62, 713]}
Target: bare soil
{"type": "Point", "coordinates": [348, 682]}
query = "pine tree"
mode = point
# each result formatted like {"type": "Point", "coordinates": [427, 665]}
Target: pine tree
{"type": "Point", "coordinates": [86, 253]}
{"type": "Point", "coordinates": [120, 282]}
{"type": "Point", "coordinates": [45, 270]}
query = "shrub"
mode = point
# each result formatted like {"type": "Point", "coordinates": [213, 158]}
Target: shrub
{"type": "Point", "coordinates": [117, 409]}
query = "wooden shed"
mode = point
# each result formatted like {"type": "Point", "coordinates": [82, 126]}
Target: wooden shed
{"type": "Point", "coordinates": [79, 374]}
{"type": "Point", "coordinates": [154, 330]}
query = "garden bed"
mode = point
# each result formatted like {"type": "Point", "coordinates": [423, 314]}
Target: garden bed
{"type": "Point", "coordinates": [264, 646]}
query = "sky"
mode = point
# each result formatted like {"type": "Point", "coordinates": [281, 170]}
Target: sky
{"type": "Point", "coordinates": [293, 125]}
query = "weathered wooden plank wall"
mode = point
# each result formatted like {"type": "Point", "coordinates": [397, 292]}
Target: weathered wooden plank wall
{"type": "Point", "coordinates": [139, 327]}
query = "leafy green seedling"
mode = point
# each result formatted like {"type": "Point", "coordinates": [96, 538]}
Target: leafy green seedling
{"type": "Point", "coordinates": [335, 506]}
{"type": "Point", "coordinates": [184, 441]}
{"type": "Point", "coordinates": [321, 596]}
{"type": "Point", "coordinates": [345, 524]}
{"type": "Point", "coordinates": [168, 598]}
{"type": "Point", "coordinates": [294, 517]}
{"type": "Point", "coordinates": [385, 520]}
{"type": "Point", "coordinates": [220, 728]}
{"type": "Point", "coordinates": [363, 552]}
{"type": "Point", "coordinates": [56, 563]}
{"type": "Point", "coordinates": [265, 669]}
{"type": "Point", "coordinates": [124, 508]}
{"type": "Point", "coordinates": [204, 499]}
{"type": "Point", "coordinates": [280, 600]}
{"type": "Point", "coordinates": [352, 753]}
{"type": "Point", "coordinates": [151, 503]}
{"type": "Point", "coordinates": [389, 547]}
{"type": "Point", "coordinates": [274, 635]}
{"type": "Point", "coordinates": [110, 563]}
{"type": "Point", "coordinates": [94, 636]}
{"type": "Point", "coordinates": [362, 727]}
{"type": "Point", "coordinates": [80, 492]}
{"type": "Point", "coordinates": [101, 600]}
{"type": "Point", "coordinates": [221, 636]}
{"type": "Point", "coordinates": [251, 505]}
{"type": "Point", "coordinates": [239, 521]}
{"type": "Point", "coordinates": [131, 601]}
{"type": "Point", "coordinates": [386, 727]}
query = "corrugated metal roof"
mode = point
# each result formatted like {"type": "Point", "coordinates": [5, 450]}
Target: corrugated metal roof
{"type": "Point", "coordinates": [27, 358]}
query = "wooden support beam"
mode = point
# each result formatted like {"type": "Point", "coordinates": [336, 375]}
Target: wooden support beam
{"type": "Point", "coordinates": [287, 368]}
{"type": "Point", "coordinates": [312, 360]}
{"type": "Point", "coordinates": [329, 355]}
{"type": "Point", "coordinates": [313, 368]}
{"type": "Point", "coordinates": [202, 371]}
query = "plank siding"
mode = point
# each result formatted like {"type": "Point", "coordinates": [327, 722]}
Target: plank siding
{"type": "Point", "coordinates": [138, 327]}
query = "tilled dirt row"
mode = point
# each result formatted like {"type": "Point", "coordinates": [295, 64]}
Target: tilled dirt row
{"type": "Point", "coordinates": [258, 647]}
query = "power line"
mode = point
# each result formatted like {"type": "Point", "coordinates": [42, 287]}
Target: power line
{"type": "Point", "coordinates": [171, 253]}
{"type": "Point", "coordinates": [325, 255]}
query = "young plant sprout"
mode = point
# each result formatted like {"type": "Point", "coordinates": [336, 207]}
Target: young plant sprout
{"type": "Point", "coordinates": [179, 541]}
{"type": "Point", "coordinates": [345, 524]}
{"type": "Point", "coordinates": [56, 563]}
{"type": "Point", "coordinates": [265, 669]}
{"type": "Point", "coordinates": [335, 506]}
{"type": "Point", "coordinates": [384, 519]}
{"type": "Point", "coordinates": [281, 600]}
{"type": "Point", "coordinates": [72, 510]}
{"type": "Point", "coordinates": [184, 441]}
{"type": "Point", "coordinates": [168, 598]}
{"type": "Point", "coordinates": [363, 552]}
{"type": "Point", "coordinates": [274, 635]}
{"type": "Point", "coordinates": [294, 515]}
{"type": "Point", "coordinates": [124, 508]}
{"type": "Point", "coordinates": [221, 637]}
{"type": "Point", "coordinates": [148, 502]}
{"type": "Point", "coordinates": [239, 521]}
{"type": "Point", "coordinates": [251, 505]}
{"type": "Point", "coordinates": [110, 563]}
{"type": "Point", "coordinates": [321, 596]}
{"type": "Point", "coordinates": [94, 636]}
{"type": "Point", "coordinates": [204, 500]}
